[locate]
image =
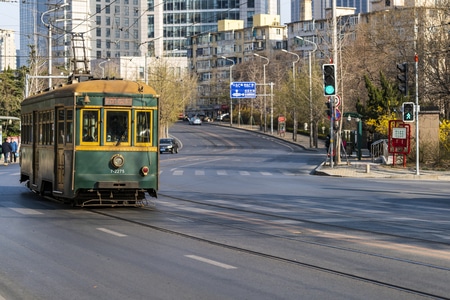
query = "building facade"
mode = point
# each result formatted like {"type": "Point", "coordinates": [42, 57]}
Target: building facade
{"type": "Point", "coordinates": [212, 55]}
{"type": "Point", "coordinates": [124, 28]}
{"type": "Point", "coordinates": [7, 50]}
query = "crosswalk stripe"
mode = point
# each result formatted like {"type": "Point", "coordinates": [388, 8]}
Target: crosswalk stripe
{"type": "Point", "coordinates": [241, 173]}
{"type": "Point", "coordinates": [26, 211]}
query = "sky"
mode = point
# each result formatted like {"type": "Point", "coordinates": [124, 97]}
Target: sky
{"type": "Point", "coordinates": [9, 18]}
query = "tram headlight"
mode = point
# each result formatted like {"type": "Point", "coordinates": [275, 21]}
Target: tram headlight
{"type": "Point", "coordinates": [117, 160]}
{"type": "Point", "coordinates": [144, 170]}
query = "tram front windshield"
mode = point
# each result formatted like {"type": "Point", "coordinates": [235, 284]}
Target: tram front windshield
{"type": "Point", "coordinates": [117, 126]}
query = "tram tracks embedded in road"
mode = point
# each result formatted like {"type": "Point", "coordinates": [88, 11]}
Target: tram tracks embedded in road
{"type": "Point", "coordinates": [304, 264]}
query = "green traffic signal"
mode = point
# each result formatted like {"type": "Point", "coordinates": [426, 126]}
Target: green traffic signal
{"type": "Point", "coordinates": [329, 79]}
{"type": "Point", "coordinates": [408, 112]}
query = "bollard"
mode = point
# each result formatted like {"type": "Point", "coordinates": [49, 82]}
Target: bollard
{"type": "Point", "coordinates": [368, 168]}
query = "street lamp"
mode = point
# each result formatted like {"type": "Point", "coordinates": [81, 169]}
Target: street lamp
{"type": "Point", "coordinates": [310, 91]}
{"type": "Point", "coordinates": [103, 69]}
{"type": "Point", "coordinates": [265, 102]}
{"type": "Point", "coordinates": [231, 79]}
{"type": "Point", "coordinates": [49, 26]}
{"type": "Point", "coordinates": [294, 134]}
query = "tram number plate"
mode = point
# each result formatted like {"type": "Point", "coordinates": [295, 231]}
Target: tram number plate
{"type": "Point", "coordinates": [118, 171]}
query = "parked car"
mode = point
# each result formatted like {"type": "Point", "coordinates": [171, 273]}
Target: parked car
{"type": "Point", "coordinates": [168, 145]}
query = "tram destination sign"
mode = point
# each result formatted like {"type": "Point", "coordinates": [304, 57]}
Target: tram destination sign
{"type": "Point", "coordinates": [118, 101]}
{"type": "Point", "coordinates": [243, 90]}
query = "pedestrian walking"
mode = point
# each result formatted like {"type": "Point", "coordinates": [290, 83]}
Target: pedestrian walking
{"type": "Point", "coordinates": [14, 149]}
{"type": "Point", "coordinates": [6, 149]}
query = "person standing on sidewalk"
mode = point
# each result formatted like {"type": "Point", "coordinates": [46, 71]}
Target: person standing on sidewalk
{"type": "Point", "coordinates": [6, 149]}
{"type": "Point", "coordinates": [14, 149]}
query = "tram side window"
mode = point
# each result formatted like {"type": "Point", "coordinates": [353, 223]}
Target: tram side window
{"type": "Point", "coordinates": [26, 129]}
{"type": "Point", "coordinates": [40, 127]}
{"type": "Point", "coordinates": [117, 126]}
{"type": "Point", "coordinates": [47, 128]}
{"type": "Point", "coordinates": [90, 125]}
{"type": "Point", "coordinates": [69, 126]}
{"type": "Point", "coordinates": [143, 132]}
{"type": "Point", "coordinates": [61, 134]}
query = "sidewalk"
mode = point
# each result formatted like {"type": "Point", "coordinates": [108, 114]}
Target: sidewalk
{"type": "Point", "coordinates": [351, 167]}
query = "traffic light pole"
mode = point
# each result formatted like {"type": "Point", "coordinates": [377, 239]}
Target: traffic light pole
{"type": "Point", "coordinates": [416, 111]}
{"type": "Point", "coordinates": [331, 149]}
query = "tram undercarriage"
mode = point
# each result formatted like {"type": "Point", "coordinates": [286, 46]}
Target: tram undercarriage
{"type": "Point", "coordinates": [112, 198]}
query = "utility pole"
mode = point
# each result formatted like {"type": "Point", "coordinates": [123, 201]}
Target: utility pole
{"type": "Point", "coordinates": [335, 62]}
{"type": "Point", "coordinates": [49, 26]}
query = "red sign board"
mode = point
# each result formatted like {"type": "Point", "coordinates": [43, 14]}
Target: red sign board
{"type": "Point", "coordinates": [399, 137]}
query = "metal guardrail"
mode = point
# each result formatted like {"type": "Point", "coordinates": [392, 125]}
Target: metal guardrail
{"type": "Point", "coordinates": [379, 149]}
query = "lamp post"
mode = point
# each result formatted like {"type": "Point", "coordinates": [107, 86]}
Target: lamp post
{"type": "Point", "coordinates": [310, 91]}
{"type": "Point", "coordinates": [265, 102]}
{"type": "Point", "coordinates": [294, 134]}
{"type": "Point", "coordinates": [101, 67]}
{"type": "Point", "coordinates": [49, 26]}
{"type": "Point", "coordinates": [231, 79]}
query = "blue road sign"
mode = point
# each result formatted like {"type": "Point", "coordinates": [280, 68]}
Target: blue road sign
{"type": "Point", "coordinates": [243, 90]}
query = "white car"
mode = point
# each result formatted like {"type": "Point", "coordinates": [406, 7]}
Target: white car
{"type": "Point", "coordinates": [196, 121]}
{"type": "Point", "coordinates": [222, 117]}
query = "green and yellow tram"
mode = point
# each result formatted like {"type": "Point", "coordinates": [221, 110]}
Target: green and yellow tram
{"type": "Point", "coordinates": [92, 143]}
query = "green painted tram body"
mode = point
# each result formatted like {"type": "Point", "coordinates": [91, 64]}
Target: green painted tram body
{"type": "Point", "coordinates": [92, 143]}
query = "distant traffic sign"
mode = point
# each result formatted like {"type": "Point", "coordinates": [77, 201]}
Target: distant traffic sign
{"type": "Point", "coordinates": [243, 90]}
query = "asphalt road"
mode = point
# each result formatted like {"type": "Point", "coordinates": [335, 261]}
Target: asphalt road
{"type": "Point", "coordinates": [238, 216]}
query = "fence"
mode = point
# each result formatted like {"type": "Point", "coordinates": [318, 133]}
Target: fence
{"type": "Point", "coordinates": [379, 150]}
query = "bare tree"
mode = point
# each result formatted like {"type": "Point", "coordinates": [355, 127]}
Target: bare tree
{"type": "Point", "coordinates": [175, 91]}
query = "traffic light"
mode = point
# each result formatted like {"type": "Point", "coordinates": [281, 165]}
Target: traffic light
{"type": "Point", "coordinates": [329, 79]}
{"type": "Point", "coordinates": [403, 78]}
{"type": "Point", "coordinates": [329, 108]}
{"type": "Point", "coordinates": [408, 112]}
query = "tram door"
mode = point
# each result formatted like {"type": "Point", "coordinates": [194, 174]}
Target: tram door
{"type": "Point", "coordinates": [61, 139]}
{"type": "Point", "coordinates": [36, 133]}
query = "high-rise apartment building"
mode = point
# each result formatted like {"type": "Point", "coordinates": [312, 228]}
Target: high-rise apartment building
{"type": "Point", "coordinates": [305, 10]}
{"type": "Point", "coordinates": [7, 50]}
{"type": "Point", "coordinates": [118, 28]}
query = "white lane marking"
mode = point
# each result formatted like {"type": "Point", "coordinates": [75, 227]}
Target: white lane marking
{"type": "Point", "coordinates": [244, 173]}
{"type": "Point", "coordinates": [211, 262]}
{"type": "Point", "coordinates": [443, 236]}
{"type": "Point", "coordinates": [199, 172]}
{"type": "Point", "coordinates": [111, 232]}
{"type": "Point", "coordinates": [201, 161]}
{"type": "Point", "coordinates": [221, 172]}
{"type": "Point", "coordinates": [287, 173]}
{"type": "Point", "coordinates": [178, 172]}
{"type": "Point", "coordinates": [249, 206]}
{"type": "Point", "coordinates": [26, 211]}
{"type": "Point", "coordinates": [265, 173]}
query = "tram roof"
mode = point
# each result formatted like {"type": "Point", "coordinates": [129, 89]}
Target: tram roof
{"type": "Point", "coordinates": [103, 87]}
